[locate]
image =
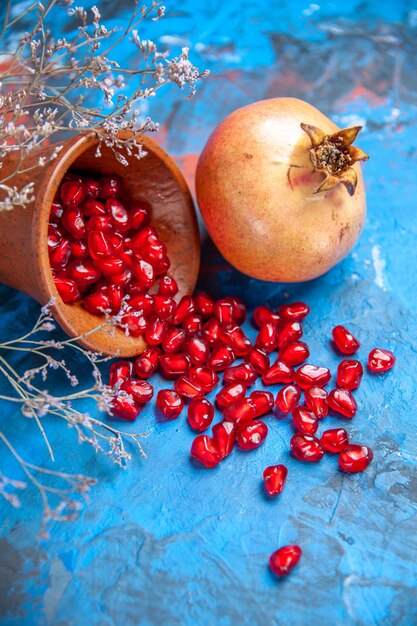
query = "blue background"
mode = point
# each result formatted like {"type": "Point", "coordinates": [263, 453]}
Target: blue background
{"type": "Point", "coordinates": [169, 543]}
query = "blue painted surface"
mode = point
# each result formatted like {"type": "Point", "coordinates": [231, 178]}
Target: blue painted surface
{"type": "Point", "coordinates": [168, 543]}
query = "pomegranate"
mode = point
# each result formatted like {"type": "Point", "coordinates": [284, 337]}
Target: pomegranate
{"type": "Point", "coordinates": [307, 208]}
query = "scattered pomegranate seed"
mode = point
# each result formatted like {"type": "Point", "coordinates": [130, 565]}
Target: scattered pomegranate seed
{"type": "Point", "coordinates": [274, 479]}
{"type": "Point", "coordinates": [168, 286]}
{"type": "Point", "coordinates": [344, 340]}
{"type": "Point", "coordinates": [342, 401]}
{"type": "Point", "coordinates": [185, 306]}
{"type": "Point", "coordinates": [221, 357]}
{"type": "Point", "coordinates": [155, 331]}
{"type": "Point", "coordinates": [204, 304]}
{"type": "Point", "coordinates": [349, 374]}
{"type": "Point", "coordinates": [263, 402]}
{"type": "Point", "coordinates": [243, 373]}
{"type": "Point", "coordinates": [306, 447]}
{"type": "Point", "coordinates": [224, 437]}
{"type": "Point", "coordinates": [67, 289]}
{"type": "Point", "coordinates": [263, 315]}
{"type": "Point", "coordinates": [251, 436]}
{"type": "Point", "coordinates": [125, 408]}
{"type": "Point", "coordinates": [211, 331]}
{"type": "Point", "coordinates": [97, 303]}
{"type": "Point", "coordinates": [120, 371]}
{"type": "Point", "coordinates": [169, 403]}
{"type": "Point", "coordinates": [230, 394]}
{"type": "Point", "coordinates": [174, 365]}
{"type": "Point", "coordinates": [267, 338]}
{"type": "Point", "coordinates": [197, 349]}
{"type": "Point", "coordinates": [316, 401]}
{"type": "Point", "coordinates": [380, 360]}
{"type": "Point", "coordinates": [140, 390]}
{"type": "Point", "coordinates": [295, 353]}
{"type": "Point", "coordinates": [355, 458]}
{"type": "Point", "coordinates": [204, 377]}
{"type": "Point", "coordinates": [242, 411]}
{"type": "Point", "coordinates": [294, 312]}
{"type": "Point", "coordinates": [312, 376]}
{"type": "Point", "coordinates": [279, 372]}
{"type": "Point", "coordinates": [334, 440]}
{"type": "Point", "coordinates": [239, 309]}
{"type": "Point", "coordinates": [187, 388]}
{"type": "Point", "coordinates": [192, 323]}
{"type": "Point", "coordinates": [204, 450]}
{"type": "Point", "coordinates": [282, 561]}
{"type": "Point", "coordinates": [147, 363]}
{"type": "Point", "coordinates": [304, 421]}
{"type": "Point", "coordinates": [140, 214]}
{"type": "Point", "coordinates": [60, 255]}
{"type": "Point", "coordinates": [164, 306]}
{"type": "Point", "coordinates": [287, 398]}
{"type": "Point", "coordinates": [235, 337]}
{"type": "Point", "coordinates": [200, 414]}
{"type": "Point", "coordinates": [223, 311]}
{"type": "Point", "coordinates": [173, 340]}
{"type": "Point", "coordinates": [259, 360]}
{"type": "Point", "coordinates": [289, 333]}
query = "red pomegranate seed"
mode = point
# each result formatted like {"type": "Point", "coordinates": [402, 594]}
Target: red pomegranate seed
{"type": "Point", "coordinates": [78, 249]}
{"type": "Point", "coordinates": [242, 411]}
{"type": "Point", "coordinates": [279, 372]}
{"type": "Point", "coordinates": [342, 401]}
{"type": "Point", "coordinates": [169, 403]}
{"type": "Point", "coordinates": [204, 450]}
{"type": "Point", "coordinates": [294, 312]}
{"type": "Point", "coordinates": [125, 408]}
{"type": "Point", "coordinates": [155, 331]}
{"type": "Point", "coordinates": [380, 360]}
{"type": "Point", "coordinates": [290, 332]}
{"type": "Point", "coordinates": [57, 210]}
{"type": "Point", "coordinates": [119, 216]}
{"type": "Point", "coordinates": [274, 479]}
{"type": "Point", "coordinates": [312, 376]}
{"type": "Point", "coordinates": [74, 223]}
{"type": "Point", "coordinates": [200, 414]}
{"type": "Point", "coordinates": [211, 331]}
{"type": "Point", "coordinates": [67, 289]}
{"type": "Point", "coordinates": [230, 394]}
{"type": "Point", "coordinates": [120, 371]}
{"type": "Point", "coordinates": [267, 338]}
{"type": "Point", "coordinates": [263, 315]}
{"type": "Point", "coordinates": [204, 377]}
{"type": "Point", "coordinates": [147, 362]}
{"type": "Point", "coordinates": [236, 338]}
{"type": "Point", "coordinates": [223, 311]}
{"type": "Point", "coordinates": [142, 302]}
{"type": "Point", "coordinates": [239, 309]}
{"type": "Point", "coordinates": [164, 306]}
{"type": "Point", "coordinates": [168, 286]}
{"type": "Point", "coordinates": [144, 273]}
{"type": "Point", "coordinates": [192, 323]}
{"type": "Point", "coordinates": [110, 187]}
{"type": "Point", "coordinates": [204, 304]}
{"type": "Point", "coordinates": [83, 273]}
{"type": "Point", "coordinates": [306, 447]}
{"type": "Point", "coordinates": [60, 255]}
{"type": "Point", "coordinates": [97, 303]}
{"type": "Point", "coordinates": [185, 306]}
{"type": "Point", "coordinates": [334, 440]}
{"type": "Point", "coordinates": [174, 364]}
{"type": "Point", "coordinates": [259, 360]}
{"type": "Point", "coordinates": [93, 207]}
{"type": "Point", "coordinates": [287, 398]}
{"type": "Point", "coordinates": [295, 353]}
{"type": "Point", "coordinates": [263, 402]}
{"type": "Point", "coordinates": [243, 373]}
{"type": "Point", "coordinates": [123, 278]}
{"type": "Point", "coordinates": [349, 374]}
{"type": "Point", "coordinates": [187, 388]}
{"type": "Point", "coordinates": [140, 390]}
{"type": "Point", "coordinates": [140, 215]}
{"type": "Point", "coordinates": [99, 222]}
{"type": "Point", "coordinates": [72, 193]}
{"type": "Point", "coordinates": [224, 437]}
{"type": "Point", "coordinates": [197, 349]}
{"type": "Point", "coordinates": [316, 401]}
{"type": "Point", "coordinates": [133, 323]}
{"type": "Point", "coordinates": [355, 458]}
{"type": "Point", "coordinates": [100, 244]}
{"type": "Point", "coordinates": [221, 357]}
{"type": "Point", "coordinates": [304, 421]}
{"type": "Point", "coordinates": [251, 436]}
{"type": "Point", "coordinates": [173, 340]}
{"type": "Point", "coordinates": [114, 294]}
{"type": "Point", "coordinates": [283, 560]}
{"type": "Point", "coordinates": [92, 188]}
{"type": "Point", "coordinates": [156, 255]}
{"type": "Point", "coordinates": [344, 340]}
{"type": "Point", "coordinates": [110, 267]}
{"type": "Point", "coordinates": [54, 236]}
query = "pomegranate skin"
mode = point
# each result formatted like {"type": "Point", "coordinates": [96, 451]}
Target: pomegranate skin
{"type": "Point", "coordinates": [277, 229]}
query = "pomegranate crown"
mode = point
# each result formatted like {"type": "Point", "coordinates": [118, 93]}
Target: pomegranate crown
{"type": "Point", "coordinates": [334, 155]}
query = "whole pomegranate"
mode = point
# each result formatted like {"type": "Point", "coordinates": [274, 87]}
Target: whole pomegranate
{"type": "Point", "coordinates": [280, 190]}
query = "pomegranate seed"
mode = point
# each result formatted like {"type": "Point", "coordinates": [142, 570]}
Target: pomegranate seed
{"type": "Point", "coordinates": [304, 421]}
{"type": "Point", "coordinates": [230, 394]}
{"type": "Point", "coordinates": [155, 331]}
{"type": "Point", "coordinates": [140, 390]}
{"type": "Point", "coordinates": [122, 279]}
{"type": "Point", "coordinates": [83, 273]}
{"type": "Point", "coordinates": [92, 188]}
{"type": "Point", "coordinates": [204, 450]}
{"type": "Point", "coordinates": [125, 408]}
{"type": "Point", "coordinates": [67, 289]}
{"type": "Point", "coordinates": [259, 360]}
{"type": "Point", "coordinates": [168, 286]}
{"type": "Point", "coordinates": [204, 377]}
{"type": "Point", "coordinates": [140, 215]}
{"type": "Point", "coordinates": [262, 315]}
{"type": "Point", "coordinates": [147, 362]}
{"type": "Point", "coordinates": [306, 447]}
{"type": "Point", "coordinates": [164, 306]}
{"type": "Point", "coordinates": [144, 273]}
{"type": "Point", "coordinates": [57, 210]}
{"type": "Point", "coordinates": [355, 458]}
{"type": "Point", "coordinates": [342, 401]}
{"type": "Point", "coordinates": [267, 338]}
{"type": "Point", "coordinates": [114, 294]}
{"type": "Point", "coordinates": [78, 249]}
{"type": "Point", "coordinates": [169, 403]}
{"type": "Point", "coordinates": [334, 440]}
{"type": "Point", "coordinates": [185, 306]}
{"type": "Point", "coordinates": [97, 303]}
{"type": "Point", "coordinates": [243, 373]}
{"type": "Point", "coordinates": [344, 340]}
{"type": "Point", "coordinates": [119, 216]}
{"type": "Point", "coordinates": [174, 365]}
{"type": "Point", "coordinates": [289, 333]}
{"type": "Point", "coordinates": [204, 304]}
{"type": "Point", "coordinates": [239, 309]}
{"type": "Point", "coordinates": [349, 374]}
{"type": "Point", "coordinates": [312, 376]}
{"type": "Point", "coordinates": [133, 323]}
{"type": "Point", "coordinates": [99, 222]}
{"type": "Point", "coordinates": [316, 401]}
{"type": "Point", "coordinates": [100, 244]}
{"type": "Point", "coordinates": [173, 340]}
{"type": "Point", "coordinates": [54, 236]}
{"type": "Point", "coordinates": [120, 371]}
{"type": "Point", "coordinates": [192, 323]}
{"type": "Point", "coordinates": [197, 349]}
{"type": "Point", "coordinates": [263, 402]}
{"type": "Point", "coordinates": [274, 479]}
{"type": "Point", "coordinates": [221, 357]}
{"type": "Point", "coordinates": [380, 360]}
{"type": "Point", "coordinates": [242, 411]}
{"type": "Point", "coordinates": [251, 436]}
{"type": "Point", "coordinates": [279, 372]}
{"type": "Point", "coordinates": [223, 311]}
{"type": "Point", "coordinates": [236, 338]}
{"type": "Point", "coordinates": [110, 187]}
{"type": "Point", "coordinates": [224, 437]}
{"type": "Point", "coordinates": [295, 353]}
{"type": "Point", "coordinates": [294, 312]}
{"type": "Point", "coordinates": [60, 255]}
{"type": "Point", "coordinates": [142, 302]}
{"type": "Point", "coordinates": [200, 414]}
{"type": "Point", "coordinates": [287, 398]}
{"type": "Point", "coordinates": [72, 193]}
{"type": "Point", "coordinates": [74, 223]}
{"type": "Point", "coordinates": [211, 331]}
{"type": "Point", "coordinates": [283, 560]}
{"type": "Point", "coordinates": [142, 237]}
{"type": "Point", "coordinates": [187, 388]}
{"type": "Point", "coordinates": [94, 207]}
{"type": "Point", "coordinates": [110, 267]}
